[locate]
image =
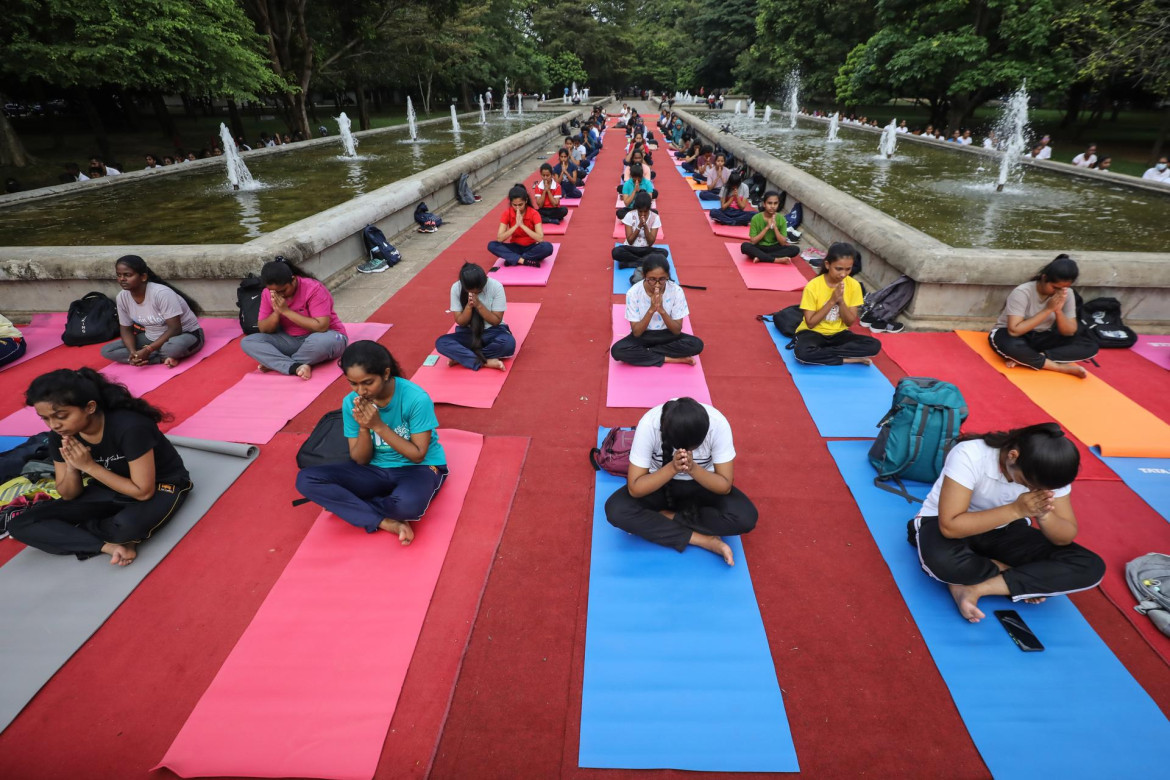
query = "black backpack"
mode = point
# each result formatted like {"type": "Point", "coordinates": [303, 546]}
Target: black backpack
{"type": "Point", "coordinates": [326, 444]}
{"type": "Point", "coordinates": [91, 320]}
{"type": "Point", "coordinates": [378, 247]}
{"type": "Point", "coordinates": [787, 320]}
{"type": "Point", "coordinates": [1101, 317]}
{"type": "Point", "coordinates": [248, 302]}
{"type": "Point", "coordinates": [757, 185]}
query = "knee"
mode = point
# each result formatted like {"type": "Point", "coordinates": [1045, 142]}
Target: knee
{"type": "Point", "coordinates": [871, 345]}
{"type": "Point", "coordinates": [110, 351]}
{"type": "Point", "coordinates": [1091, 567]}
{"type": "Point", "coordinates": [308, 480]}
{"type": "Point", "coordinates": [617, 507]}
{"type": "Point", "coordinates": [953, 562]}
{"type": "Point", "coordinates": [695, 343]}
{"type": "Point", "coordinates": [742, 511]}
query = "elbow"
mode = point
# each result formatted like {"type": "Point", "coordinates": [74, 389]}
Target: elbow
{"type": "Point", "coordinates": [144, 494]}
{"type": "Point", "coordinates": [948, 530]}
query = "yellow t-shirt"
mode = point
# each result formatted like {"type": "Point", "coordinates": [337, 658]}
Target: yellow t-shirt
{"type": "Point", "coordinates": [817, 293]}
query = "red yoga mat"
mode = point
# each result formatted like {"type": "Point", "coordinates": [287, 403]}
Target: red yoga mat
{"type": "Point", "coordinates": [619, 231]}
{"type": "Point", "coordinates": [41, 334]}
{"type": "Point", "coordinates": [476, 389]}
{"type": "Point", "coordinates": [254, 409]}
{"type": "Point", "coordinates": [765, 276]}
{"type": "Point", "coordinates": [311, 687]}
{"type": "Point", "coordinates": [727, 231]}
{"type": "Point", "coordinates": [560, 228]}
{"type": "Point", "coordinates": [647, 386]}
{"type": "Point", "coordinates": [525, 275]}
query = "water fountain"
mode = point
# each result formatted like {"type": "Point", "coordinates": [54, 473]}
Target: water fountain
{"type": "Point", "coordinates": [482, 113]}
{"type": "Point", "coordinates": [834, 124]}
{"type": "Point", "coordinates": [238, 174]}
{"type": "Point", "coordinates": [574, 92]}
{"type": "Point", "coordinates": [738, 107]}
{"type": "Point", "coordinates": [889, 140]}
{"type": "Point", "coordinates": [751, 109]}
{"type": "Point", "coordinates": [1013, 125]}
{"type": "Point", "coordinates": [519, 102]}
{"type": "Point", "coordinates": [504, 102]}
{"type": "Point", "coordinates": [454, 120]}
{"type": "Point", "coordinates": [348, 142]}
{"type": "Point", "coordinates": [793, 98]}
{"type": "Point", "coordinates": [411, 120]}
{"type": "Point", "coordinates": [767, 114]}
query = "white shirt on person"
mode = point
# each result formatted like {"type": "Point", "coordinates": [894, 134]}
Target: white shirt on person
{"type": "Point", "coordinates": [1153, 174]}
{"type": "Point", "coordinates": [975, 465]}
{"type": "Point", "coordinates": [674, 301]}
{"type": "Point", "coordinates": [491, 296]}
{"type": "Point", "coordinates": [159, 304]}
{"type": "Point", "coordinates": [1045, 153]}
{"type": "Point", "coordinates": [112, 171]}
{"type": "Point", "coordinates": [1083, 161]}
{"type": "Point", "coordinates": [967, 141]}
{"type": "Point", "coordinates": [717, 446]}
{"type": "Point", "coordinates": [653, 222]}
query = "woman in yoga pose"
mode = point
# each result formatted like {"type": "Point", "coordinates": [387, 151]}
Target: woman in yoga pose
{"type": "Point", "coordinates": [298, 326]}
{"type": "Point", "coordinates": [715, 174]}
{"type": "Point", "coordinates": [397, 464]}
{"type": "Point", "coordinates": [632, 186]}
{"type": "Point", "coordinates": [655, 308]}
{"type": "Point", "coordinates": [641, 225]}
{"type": "Point", "coordinates": [137, 480]}
{"type": "Point", "coordinates": [481, 338]}
{"type": "Point", "coordinates": [568, 174]}
{"type": "Point", "coordinates": [520, 237]}
{"type": "Point", "coordinates": [1038, 325]}
{"type": "Point", "coordinates": [679, 489]}
{"type": "Point", "coordinates": [998, 521]}
{"type": "Point", "coordinates": [735, 208]}
{"type": "Point", "coordinates": [768, 231]}
{"type": "Point", "coordinates": [158, 322]}
{"type": "Point", "coordinates": [547, 194]}
{"type": "Point", "coordinates": [829, 303]}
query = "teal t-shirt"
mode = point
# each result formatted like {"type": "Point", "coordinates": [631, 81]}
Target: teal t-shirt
{"type": "Point", "coordinates": [759, 221]}
{"type": "Point", "coordinates": [410, 411]}
{"type": "Point", "coordinates": [646, 186]}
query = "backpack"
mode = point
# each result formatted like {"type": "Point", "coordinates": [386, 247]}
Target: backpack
{"type": "Point", "coordinates": [794, 217]}
{"type": "Point", "coordinates": [424, 217]}
{"type": "Point", "coordinates": [1149, 581]}
{"type": "Point", "coordinates": [1102, 318]}
{"type": "Point", "coordinates": [888, 302]}
{"type": "Point", "coordinates": [248, 302]}
{"type": "Point", "coordinates": [463, 192]}
{"type": "Point", "coordinates": [614, 453]}
{"type": "Point", "coordinates": [917, 433]}
{"type": "Point", "coordinates": [757, 185]}
{"type": "Point", "coordinates": [378, 247]}
{"type": "Point", "coordinates": [787, 320]}
{"type": "Point", "coordinates": [326, 444]}
{"type": "Point", "coordinates": [92, 319]}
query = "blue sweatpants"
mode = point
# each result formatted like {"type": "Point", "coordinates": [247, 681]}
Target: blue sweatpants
{"type": "Point", "coordinates": [498, 342]}
{"type": "Point", "coordinates": [365, 495]}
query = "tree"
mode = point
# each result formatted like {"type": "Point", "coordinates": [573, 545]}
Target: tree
{"type": "Point", "coordinates": [563, 70]}
{"type": "Point", "coordinates": [720, 30]}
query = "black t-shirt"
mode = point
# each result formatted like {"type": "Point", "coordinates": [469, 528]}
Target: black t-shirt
{"type": "Point", "coordinates": [128, 436]}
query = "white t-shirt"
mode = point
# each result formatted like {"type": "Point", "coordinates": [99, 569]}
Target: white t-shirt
{"type": "Point", "coordinates": [158, 305]}
{"type": "Point", "coordinates": [553, 188]}
{"type": "Point", "coordinates": [492, 297]}
{"type": "Point", "coordinates": [987, 143]}
{"type": "Point", "coordinates": [1153, 174]}
{"type": "Point", "coordinates": [638, 303]}
{"type": "Point", "coordinates": [1082, 161]}
{"type": "Point", "coordinates": [1045, 153]}
{"type": "Point", "coordinates": [83, 177]}
{"type": "Point", "coordinates": [653, 221]}
{"type": "Point", "coordinates": [717, 446]}
{"type": "Point", "coordinates": [975, 466]}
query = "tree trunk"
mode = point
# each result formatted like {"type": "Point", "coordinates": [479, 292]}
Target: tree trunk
{"type": "Point", "coordinates": [1076, 97]}
{"type": "Point", "coordinates": [12, 151]}
{"type": "Point", "coordinates": [188, 105]}
{"type": "Point", "coordinates": [466, 91]}
{"type": "Point", "coordinates": [378, 100]}
{"type": "Point", "coordinates": [363, 104]}
{"type": "Point", "coordinates": [166, 122]}
{"type": "Point", "coordinates": [96, 125]}
{"type": "Point", "coordinates": [234, 119]}
{"type": "Point", "coordinates": [130, 116]}
{"type": "Point", "coordinates": [300, 115]}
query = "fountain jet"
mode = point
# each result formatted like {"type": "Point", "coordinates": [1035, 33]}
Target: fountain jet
{"type": "Point", "coordinates": [454, 120]}
{"type": "Point", "coordinates": [793, 98]}
{"type": "Point", "coordinates": [1013, 125]}
{"type": "Point", "coordinates": [889, 140]}
{"type": "Point", "coordinates": [482, 113]}
{"type": "Point", "coordinates": [738, 107]}
{"type": "Point", "coordinates": [505, 100]}
{"type": "Point", "coordinates": [348, 142]}
{"type": "Point", "coordinates": [767, 114]}
{"type": "Point", "coordinates": [411, 121]}
{"type": "Point", "coordinates": [834, 124]}
{"type": "Point", "coordinates": [238, 174]}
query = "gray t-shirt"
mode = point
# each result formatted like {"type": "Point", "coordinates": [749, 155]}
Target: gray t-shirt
{"type": "Point", "coordinates": [158, 305]}
{"type": "Point", "coordinates": [492, 297]}
{"type": "Point", "coordinates": [1025, 301]}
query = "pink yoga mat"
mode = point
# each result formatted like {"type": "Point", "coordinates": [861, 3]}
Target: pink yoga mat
{"type": "Point", "coordinates": [254, 409]}
{"type": "Point", "coordinates": [643, 386]}
{"type": "Point", "coordinates": [727, 231]}
{"type": "Point", "coordinates": [41, 334]}
{"type": "Point", "coordinates": [571, 202]}
{"type": "Point", "coordinates": [311, 687]}
{"type": "Point", "coordinates": [476, 389]}
{"type": "Point", "coordinates": [1155, 349]}
{"type": "Point", "coordinates": [526, 275]}
{"type": "Point", "coordinates": [558, 229]}
{"type": "Point", "coordinates": [765, 276]}
{"type": "Point", "coordinates": [619, 231]}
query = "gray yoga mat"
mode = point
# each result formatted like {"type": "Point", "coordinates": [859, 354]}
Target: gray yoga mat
{"type": "Point", "coordinates": [50, 605]}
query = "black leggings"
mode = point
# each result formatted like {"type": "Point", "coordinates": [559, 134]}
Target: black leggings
{"type": "Point", "coordinates": [769, 254]}
{"type": "Point", "coordinates": [812, 347]}
{"type": "Point", "coordinates": [653, 347]}
{"type": "Point", "coordinates": [1036, 346]}
{"type": "Point", "coordinates": [696, 509]}
{"type": "Point", "coordinates": [551, 213]}
{"type": "Point", "coordinates": [627, 256]}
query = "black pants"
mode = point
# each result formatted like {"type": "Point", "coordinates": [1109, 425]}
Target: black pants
{"type": "Point", "coordinates": [696, 508]}
{"type": "Point", "coordinates": [11, 349]}
{"type": "Point", "coordinates": [1038, 567]}
{"type": "Point", "coordinates": [1036, 346]}
{"type": "Point", "coordinates": [732, 216]}
{"type": "Point", "coordinates": [653, 347]}
{"type": "Point", "coordinates": [627, 256]}
{"type": "Point", "coordinates": [769, 254]}
{"type": "Point", "coordinates": [553, 213]}
{"type": "Point", "coordinates": [812, 347]}
{"type": "Point", "coordinates": [99, 515]}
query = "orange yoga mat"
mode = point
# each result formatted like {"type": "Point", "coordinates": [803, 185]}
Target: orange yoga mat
{"type": "Point", "coordinates": [1092, 410]}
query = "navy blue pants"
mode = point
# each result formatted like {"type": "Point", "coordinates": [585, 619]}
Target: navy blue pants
{"type": "Point", "coordinates": [498, 342]}
{"type": "Point", "coordinates": [11, 349]}
{"type": "Point", "coordinates": [366, 495]}
{"type": "Point", "coordinates": [512, 253]}
{"type": "Point", "coordinates": [732, 216]}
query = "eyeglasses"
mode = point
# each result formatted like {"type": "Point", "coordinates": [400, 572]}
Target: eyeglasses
{"type": "Point", "coordinates": [656, 282]}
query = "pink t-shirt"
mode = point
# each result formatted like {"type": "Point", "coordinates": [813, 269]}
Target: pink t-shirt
{"type": "Point", "coordinates": [311, 299]}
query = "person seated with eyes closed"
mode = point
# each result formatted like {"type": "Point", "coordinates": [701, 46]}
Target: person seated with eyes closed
{"type": "Point", "coordinates": [829, 304]}
{"type": "Point", "coordinates": [520, 236]}
{"type": "Point", "coordinates": [768, 234]}
{"type": "Point", "coordinates": [481, 337]}
{"type": "Point", "coordinates": [158, 323]}
{"type": "Point", "coordinates": [638, 182]}
{"type": "Point", "coordinates": [655, 308]}
{"type": "Point", "coordinates": [641, 226]}
{"type": "Point", "coordinates": [546, 196]}
{"type": "Point", "coordinates": [735, 207]}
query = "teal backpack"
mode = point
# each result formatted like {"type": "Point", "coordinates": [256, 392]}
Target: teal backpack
{"type": "Point", "coordinates": [917, 433]}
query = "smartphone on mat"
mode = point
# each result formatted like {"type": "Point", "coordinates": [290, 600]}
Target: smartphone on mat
{"type": "Point", "coordinates": [431, 360]}
{"type": "Point", "coordinates": [1018, 630]}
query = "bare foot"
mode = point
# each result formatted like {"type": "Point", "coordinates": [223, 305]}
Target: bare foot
{"type": "Point", "coordinates": [120, 554]}
{"type": "Point", "coordinates": [304, 371]}
{"type": "Point", "coordinates": [495, 363]}
{"type": "Point", "coordinates": [690, 361]}
{"type": "Point", "coordinates": [1011, 364]}
{"type": "Point", "coordinates": [755, 259]}
{"type": "Point", "coordinates": [784, 260]}
{"type": "Point", "coordinates": [1037, 600]}
{"type": "Point", "coordinates": [452, 363]}
{"type": "Point", "coordinates": [170, 362]}
{"type": "Point", "coordinates": [714, 544]}
{"type": "Point", "coordinates": [401, 528]}
{"type": "Point", "coordinates": [1073, 369]}
{"type": "Point", "coordinates": [263, 369]}
{"type": "Point", "coordinates": [863, 361]}
{"type": "Point", "coordinates": [967, 599]}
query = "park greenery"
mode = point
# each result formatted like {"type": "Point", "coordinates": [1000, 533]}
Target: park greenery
{"type": "Point", "coordinates": [1089, 57]}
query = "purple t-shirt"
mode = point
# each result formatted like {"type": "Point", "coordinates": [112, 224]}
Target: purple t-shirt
{"type": "Point", "coordinates": [311, 299]}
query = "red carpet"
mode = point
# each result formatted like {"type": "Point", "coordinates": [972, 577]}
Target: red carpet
{"type": "Point", "coordinates": [1142, 380]}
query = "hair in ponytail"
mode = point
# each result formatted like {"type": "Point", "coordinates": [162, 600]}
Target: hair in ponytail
{"type": "Point", "coordinates": [70, 387]}
{"type": "Point", "coordinates": [683, 426]}
{"type": "Point", "coordinates": [139, 266]}
{"type": "Point", "coordinates": [1047, 458]}
{"type": "Point", "coordinates": [282, 271]}
{"type": "Point", "coordinates": [837, 251]}
{"type": "Point", "coordinates": [1061, 269]}
{"type": "Point", "coordinates": [472, 277]}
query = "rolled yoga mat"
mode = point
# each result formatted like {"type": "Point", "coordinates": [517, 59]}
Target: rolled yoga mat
{"type": "Point", "coordinates": [621, 276]}
{"type": "Point", "coordinates": [311, 687]}
{"type": "Point", "coordinates": [1071, 711]}
{"type": "Point", "coordinates": [53, 603]}
{"type": "Point", "coordinates": [868, 391]}
{"type": "Point", "coordinates": [41, 334]}
{"type": "Point", "coordinates": [646, 386]}
{"type": "Point", "coordinates": [525, 275]}
{"type": "Point", "coordinates": [678, 672]}
{"type": "Point", "coordinates": [765, 276]}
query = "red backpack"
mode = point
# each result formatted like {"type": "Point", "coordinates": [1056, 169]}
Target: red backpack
{"type": "Point", "coordinates": [614, 453]}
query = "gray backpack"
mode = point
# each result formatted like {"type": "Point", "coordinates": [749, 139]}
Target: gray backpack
{"type": "Point", "coordinates": [888, 302]}
{"type": "Point", "coordinates": [463, 192]}
{"type": "Point", "coordinates": [1149, 581]}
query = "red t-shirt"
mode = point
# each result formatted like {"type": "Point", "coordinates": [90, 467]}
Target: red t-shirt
{"type": "Point", "coordinates": [531, 219]}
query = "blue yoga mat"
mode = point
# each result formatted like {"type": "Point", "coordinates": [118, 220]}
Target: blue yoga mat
{"type": "Point", "coordinates": [11, 442]}
{"type": "Point", "coordinates": [621, 276]}
{"type": "Point", "coordinates": [1148, 477]}
{"type": "Point", "coordinates": [1072, 711]}
{"type": "Point", "coordinates": [678, 673]}
{"type": "Point", "coordinates": [706, 205]}
{"type": "Point", "coordinates": [845, 402]}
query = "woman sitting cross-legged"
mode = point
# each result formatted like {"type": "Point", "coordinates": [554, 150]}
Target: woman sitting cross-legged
{"type": "Point", "coordinates": [716, 175]}
{"type": "Point", "coordinates": [158, 322]}
{"type": "Point", "coordinates": [520, 237]}
{"type": "Point", "coordinates": [829, 304]}
{"type": "Point", "coordinates": [655, 308]}
{"type": "Point", "coordinates": [568, 174]}
{"type": "Point", "coordinates": [768, 231]}
{"type": "Point", "coordinates": [298, 326]}
{"type": "Point", "coordinates": [735, 208]}
{"type": "Point", "coordinates": [641, 225]}
{"type": "Point", "coordinates": [679, 489]}
{"type": "Point", "coordinates": [397, 464]}
{"type": "Point", "coordinates": [546, 193]}
{"type": "Point", "coordinates": [998, 521]}
{"type": "Point", "coordinates": [1038, 325]}
{"type": "Point", "coordinates": [638, 182]}
{"type": "Point", "coordinates": [481, 337]}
